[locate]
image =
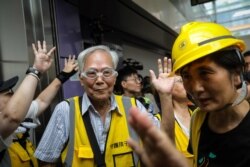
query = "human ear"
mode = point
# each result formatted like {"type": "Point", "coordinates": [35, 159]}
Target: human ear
{"type": "Point", "coordinates": [237, 79]}
{"type": "Point", "coordinates": [123, 84]}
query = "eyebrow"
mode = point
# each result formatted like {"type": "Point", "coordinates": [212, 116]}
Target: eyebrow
{"type": "Point", "coordinates": [92, 68]}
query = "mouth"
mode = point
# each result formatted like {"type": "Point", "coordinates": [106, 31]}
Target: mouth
{"type": "Point", "coordinates": [203, 101]}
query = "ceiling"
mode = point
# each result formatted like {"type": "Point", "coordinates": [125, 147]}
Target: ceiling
{"type": "Point", "coordinates": [233, 14]}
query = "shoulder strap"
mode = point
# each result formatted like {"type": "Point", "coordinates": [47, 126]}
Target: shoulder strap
{"type": "Point", "coordinates": [98, 157]}
{"type": "Point", "coordinates": [2, 154]}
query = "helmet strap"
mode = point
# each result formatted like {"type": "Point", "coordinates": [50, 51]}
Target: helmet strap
{"type": "Point", "coordinates": [242, 95]}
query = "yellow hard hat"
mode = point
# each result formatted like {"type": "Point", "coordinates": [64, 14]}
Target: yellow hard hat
{"type": "Point", "coordinates": [199, 39]}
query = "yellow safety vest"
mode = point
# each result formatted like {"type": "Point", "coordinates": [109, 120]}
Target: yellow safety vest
{"type": "Point", "coordinates": [197, 120]}
{"type": "Point", "coordinates": [78, 151]}
{"type": "Point", "coordinates": [17, 156]}
{"type": "Point", "coordinates": [182, 140]}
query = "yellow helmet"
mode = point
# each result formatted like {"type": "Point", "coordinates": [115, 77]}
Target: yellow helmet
{"type": "Point", "coordinates": [199, 39]}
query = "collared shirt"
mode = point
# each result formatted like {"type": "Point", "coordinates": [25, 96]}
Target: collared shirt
{"type": "Point", "coordinates": [57, 131]}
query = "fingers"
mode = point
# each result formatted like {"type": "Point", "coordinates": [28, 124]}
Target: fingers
{"type": "Point", "coordinates": [39, 46]}
{"type": "Point", "coordinates": [135, 146]}
{"type": "Point", "coordinates": [70, 64]}
{"type": "Point", "coordinates": [34, 48]}
{"type": "Point", "coordinates": [51, 50]}
{"type": "Point", "coordinates": [166, 66]}
{"type": "Point", "coordinates": [169, 65]}
{"type": "Point", "coordinates": [44, 47]}
{"type": "Point", "coordinates": [152, 75]}
{"type": "Point", "coordinates": [70, 59]}
{"type": "Point", "coordinates": [165, 61]}
{"type": "Point", "coordinates": [160, 66]}
{"type": "Point", "coordinates": [139, 121]}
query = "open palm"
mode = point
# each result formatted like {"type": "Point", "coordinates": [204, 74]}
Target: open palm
{"type": "Point", "coordinates": [165, 82]}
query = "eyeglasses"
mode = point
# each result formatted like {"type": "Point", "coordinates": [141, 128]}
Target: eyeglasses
{"type": "Point", "coordinates": [93, 73]}
{"type": "Point", "coordinates": [9, 92]}
{"type": "Point", "coordinates": [138, 80]}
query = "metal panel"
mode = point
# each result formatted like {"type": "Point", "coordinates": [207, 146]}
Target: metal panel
{"type": "Point", "coordinates": [38, 27]}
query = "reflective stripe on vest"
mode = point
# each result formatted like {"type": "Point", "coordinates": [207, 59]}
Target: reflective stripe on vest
{"type": "Point", "coordinates": [78, 152]}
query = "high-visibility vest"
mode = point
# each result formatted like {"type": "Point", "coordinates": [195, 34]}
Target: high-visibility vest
{"type": "Point", "coordinates": [16, 155]}
{"type": "Point", "coordinates": [197, 120]}
{"type": "Point", "coordinates": [78, 151]}
{"type": "Point", "coordinates": [182, 141]}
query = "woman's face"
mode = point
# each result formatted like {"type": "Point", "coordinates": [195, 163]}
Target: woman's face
{"type": "Point", "coordinates": [211, 86]}
{"type": "Point", "coordinates": [179, 92]}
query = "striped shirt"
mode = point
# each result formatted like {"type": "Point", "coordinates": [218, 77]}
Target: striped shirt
{"type": "Point", "coordinates": [57, 131]}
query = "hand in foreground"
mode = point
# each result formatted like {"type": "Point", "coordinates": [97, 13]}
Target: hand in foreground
{"type": "Point", "coordinates": [157, 149]}
{"type": "Point", "coordinates": [43, 58]}
{"type": "Point", "coordinates": [164, 83]}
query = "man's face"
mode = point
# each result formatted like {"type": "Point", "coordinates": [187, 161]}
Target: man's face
{"type": "Point", "coordinates": [247, 63]}
{"type": "Point", "coordinates": [100, 88]}
{"type": "Point", "coordinates": [132, 85]}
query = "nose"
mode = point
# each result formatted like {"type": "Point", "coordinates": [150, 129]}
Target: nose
{"type": "Point", "coordinates": [195, 87]}
{"type": "Point", "coordinates": [99, 78]}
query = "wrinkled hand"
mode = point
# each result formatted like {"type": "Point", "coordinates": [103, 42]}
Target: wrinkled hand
{"type": "Point", "coordinates": [43, 59]}
{"type": "Point", "coordinates": [164, 83]}
{"type": "Point", "coordinates": [70, 64]}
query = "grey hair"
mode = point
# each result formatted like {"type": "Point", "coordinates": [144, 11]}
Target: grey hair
{"type": "Point", "coordinates": [85, 53]}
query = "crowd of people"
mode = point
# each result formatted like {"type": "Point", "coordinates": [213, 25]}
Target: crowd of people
{"type": "Point", "coordinates": [204, 111]}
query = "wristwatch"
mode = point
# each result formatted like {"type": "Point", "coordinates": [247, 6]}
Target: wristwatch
{"type": "Point", "coordinates": [33, 71]}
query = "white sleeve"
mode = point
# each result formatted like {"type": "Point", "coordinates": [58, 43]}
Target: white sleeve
{"type": "Point", "coordinates": [32, 112]}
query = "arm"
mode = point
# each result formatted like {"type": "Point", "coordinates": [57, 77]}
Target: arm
{"type": "Point", "coordinates": [55, 135]}
{"type": "Point", "coordinates": [158, 149]}
{"type": "Point", "coordinates": [46, 96]}
{"type": "Point", "coordinates": [16, 108]}
{"type": "Point", "coordinates": [164, 85]}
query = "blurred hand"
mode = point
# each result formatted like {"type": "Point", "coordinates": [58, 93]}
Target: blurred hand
{"type": "Point", "coordinates": [157, 150]}
{"type": "Point", "coordinates": [43, 59]}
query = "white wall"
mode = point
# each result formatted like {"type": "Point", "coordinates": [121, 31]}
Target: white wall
{"type": "Point", "coordinates": [147, 58]}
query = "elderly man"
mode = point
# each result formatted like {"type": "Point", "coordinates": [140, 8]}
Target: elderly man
{"type": "Point", "coordinates": [92, 130]}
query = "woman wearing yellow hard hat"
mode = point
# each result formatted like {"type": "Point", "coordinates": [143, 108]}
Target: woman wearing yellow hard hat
{"type": "Point", "coordinates": [211, 65]}
{"type": "Point", "coordinates": [210, 62]}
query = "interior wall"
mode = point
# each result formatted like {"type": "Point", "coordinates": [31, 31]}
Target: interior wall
{"type": "Point", "coordinates": [13, 43]}
{"type": "Point", "coordinates": [147, 58]}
